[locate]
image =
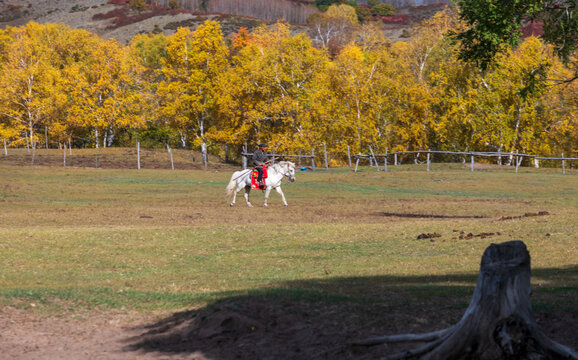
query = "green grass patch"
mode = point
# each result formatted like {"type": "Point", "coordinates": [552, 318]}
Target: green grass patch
{"type": "Point", "coordinates": [164, 240]}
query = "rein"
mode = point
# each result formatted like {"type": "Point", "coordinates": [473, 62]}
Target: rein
{"type": "Point", "coordinates": [243, 174]}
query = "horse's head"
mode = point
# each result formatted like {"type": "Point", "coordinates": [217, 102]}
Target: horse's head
{"type": "Point", "coordinates": [288, 170]}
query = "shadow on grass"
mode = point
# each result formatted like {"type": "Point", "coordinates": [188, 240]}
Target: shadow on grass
{"type": "Point", "coordinates": [317, 319]}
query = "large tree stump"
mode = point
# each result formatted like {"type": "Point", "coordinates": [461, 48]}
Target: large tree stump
{"type": "Point", "coordinates": [498, 323]}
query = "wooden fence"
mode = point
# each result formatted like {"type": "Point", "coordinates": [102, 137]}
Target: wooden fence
{"type": "Point", "coordinates": [517, 158]}
{"type": "Point", "coordinates": [388, 158]}
{"type": "Point", "coordinates": [513, 158]}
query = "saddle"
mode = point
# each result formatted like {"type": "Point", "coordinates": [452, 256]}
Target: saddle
{"type": "Point", "coordinates": [255, 176]}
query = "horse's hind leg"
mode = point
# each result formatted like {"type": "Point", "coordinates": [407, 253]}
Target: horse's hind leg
{"type": "Point", "coordinates": [234, 197]}
{"type": "Point", "coordinates": [247, 191]}
{"type": "Point", "coordinates": [237, 189]}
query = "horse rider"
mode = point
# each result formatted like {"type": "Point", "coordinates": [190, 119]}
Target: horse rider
{"type": "Point", "coordinates": [260, 159]}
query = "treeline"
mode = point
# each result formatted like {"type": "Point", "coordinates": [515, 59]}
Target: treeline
{"type": "Point", "coordinates": [197, 90]}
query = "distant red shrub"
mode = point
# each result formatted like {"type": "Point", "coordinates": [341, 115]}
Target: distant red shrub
{"type": "Point", "coordinates": [431, 5]}
{"type": "Point", "coordinates": [395, 19]}
{"type": "Point", "coordinates": [109, 15]}
{"type": "Point", "coordinates": [117, 2]}
{"type": "Point", "coordinates": [121, 16]}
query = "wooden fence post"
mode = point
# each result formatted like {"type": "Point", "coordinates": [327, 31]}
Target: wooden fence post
{"type": "Point", "coordinates": [313, 159]}
{"type": "Point", "coordinates": [46, 138]}
{"type": "Point", "coordinates": [244, 157]}
{"type": "Point", "coordinates": [374, 159]}
{"type": "Point", "coordinates": [325, 156]}
{"type": "Point", "coordinates": [563, 165]}
{"type": "Point", "coordinates": [428, 157]}
{"type": "Point", "coordinates": [138, 154]}
{"type": "Point", "coordinates": [171, 154]}
{"type": "Point", "coordinates": [6, 148]}
{"type": "Point", "coordinates": [385, 161]}
{"type": "Point", "coordinates": [517, 158]}
{"type": "Point", "coordinates": [356, 164]}
{"type": "Point", "coordinates": [64, 157]}
{"type": "Point", "coordinates": [395, 159]}
{"type": "Point", "coordinates": [472, 160]}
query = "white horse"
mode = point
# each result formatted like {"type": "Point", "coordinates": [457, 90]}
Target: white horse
{"type": "Point", "coordinates": [275, 172]}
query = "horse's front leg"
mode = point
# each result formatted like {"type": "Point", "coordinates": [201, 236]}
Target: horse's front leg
{"type": "Point", "coordinates": [267, 196]}
{"type": "Point", "coordinates": [282, 195]}
{"type": "Point", "coordinates": [247, 191]}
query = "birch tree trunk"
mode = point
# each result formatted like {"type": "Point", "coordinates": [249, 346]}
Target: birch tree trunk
{"type": "Point", "coordinates": [205, 156]}
{"type": "Point", "coordinates": [110, 136]}
{"type": "Point", "coordinates": [183, 140]}
{"type": "Point", "coordinates": [96, 137]}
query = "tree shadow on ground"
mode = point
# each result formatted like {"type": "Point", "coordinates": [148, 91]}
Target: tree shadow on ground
{"type": "Point", "coordinates": [319, 318]}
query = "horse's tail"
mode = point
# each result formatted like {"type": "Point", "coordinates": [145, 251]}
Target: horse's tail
{"type": "Point", "coordinates": [231, 187]}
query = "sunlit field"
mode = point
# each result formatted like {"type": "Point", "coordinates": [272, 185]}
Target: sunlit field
{"type": "Point", "coordinates": [83, 238]}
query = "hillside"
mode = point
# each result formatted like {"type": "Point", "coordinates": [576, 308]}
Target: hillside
{"type": "Point", "coordinates": [102, 17]}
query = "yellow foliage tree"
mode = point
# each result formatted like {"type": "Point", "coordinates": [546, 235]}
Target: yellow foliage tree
{"type": "Point", "coordinates": [104, 91]}
{"type": "Point", "coordinates": [359, 83]}
{"type": "Point", "coordinates": [194, 63]}
{"type": "Point", "coordinates": [265, 93]}
{"type": "Point", "coordinates": [31, 79]}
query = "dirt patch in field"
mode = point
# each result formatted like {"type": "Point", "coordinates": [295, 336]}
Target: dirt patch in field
{"type": "Point", "coordinates": [432, 216]}
{"type": "Point", "coordinates": [540, 213]}
{"type": "Point", "coordinates": [428, 236]}
{"type": "Point", "coordinates": [238, 328]}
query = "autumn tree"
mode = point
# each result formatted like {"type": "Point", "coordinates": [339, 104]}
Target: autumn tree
{"type": "Point", "coordinates": [383, 9]}
{"type": "Point", "coordinates": [265, 93]}
{"type": "Point", "coordinates": [150, 52]}
{"type": "Point", "coordinates": [494, 26]}
{"type": "Point", "coordinates": [560, 106]}
{"type": "Point", "coordinates": [332, 28]}
{"type": "Point", "coordinates": [105, 93]}
{"type": "Point", "coordinates": [210, 62]}
{"type": "Point", "coordinates": [360, 89]}
{"type": "Point", "coordinates": [31, 80]}
{"type": "Point", "coordinates": [430, 61]}
{"type": "Point", "coordinates": [194, 63]}
{"type": "Point", "coordinates": [413, 116]}
{"type": "Point", "coordinates": [507, 116]}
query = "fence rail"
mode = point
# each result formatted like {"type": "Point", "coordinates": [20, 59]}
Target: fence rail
{"type": "Point", "coordinates": [516, 157]}
{"type": "Point", "coordinates": [375, 159]}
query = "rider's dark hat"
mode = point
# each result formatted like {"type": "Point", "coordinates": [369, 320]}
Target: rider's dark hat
{"type": "Point", "coordinates": [262, 145]}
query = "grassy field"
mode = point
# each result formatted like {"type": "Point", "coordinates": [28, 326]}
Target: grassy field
{"type": "Point", "coordinates": [81, 238]}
